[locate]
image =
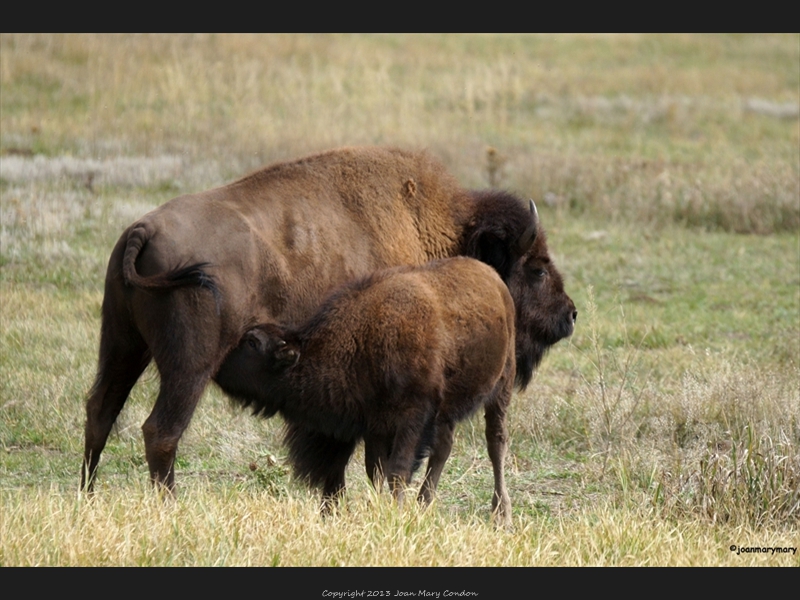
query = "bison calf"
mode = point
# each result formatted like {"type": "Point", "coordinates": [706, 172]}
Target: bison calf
{"type": "Point", "coordinates": [396, 358]}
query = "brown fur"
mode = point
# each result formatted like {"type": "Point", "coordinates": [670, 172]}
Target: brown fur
{"type": "Point", "coordinates": [273, 244]}
{"type": "Point", "coordinates": [397, 359]}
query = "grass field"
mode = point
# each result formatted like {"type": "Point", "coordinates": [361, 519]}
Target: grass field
{"type": "Point", "coordinates": [666, 169]}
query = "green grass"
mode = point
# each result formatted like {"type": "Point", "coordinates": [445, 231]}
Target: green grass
{"type": "Point", "coordinates": [665, 430]}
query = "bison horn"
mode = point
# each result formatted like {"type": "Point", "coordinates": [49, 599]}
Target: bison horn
{"type": "Point", "coordinates": [525, 241]}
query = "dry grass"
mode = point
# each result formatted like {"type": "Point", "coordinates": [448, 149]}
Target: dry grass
{"type": "Point", "coordinates": [224, 528]}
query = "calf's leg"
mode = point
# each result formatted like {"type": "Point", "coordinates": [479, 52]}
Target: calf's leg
{"type": "Point", "coordinates": [320, 460]}
{"type": "Point", "coordinates": [497, 444]}
{"type": "Point", "coordinates": [334, 486]}
{"type": "Point", "coordinates": [400, 463]}
{"type": "Point", "coordinates": [440, 451]}
{"type": "Point", "coordinates": [376, 457]}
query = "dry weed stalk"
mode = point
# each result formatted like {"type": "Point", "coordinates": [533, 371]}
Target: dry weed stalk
{"type": "Point", "coordinates": [615, 402]}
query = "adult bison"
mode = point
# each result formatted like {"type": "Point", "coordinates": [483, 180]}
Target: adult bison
{"type": "Point", "coordinates": [395, 359]}
{"type": "Point", "coordinates": [274, 243]}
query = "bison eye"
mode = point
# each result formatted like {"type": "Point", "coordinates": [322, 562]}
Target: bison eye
{"type": "Point", "coordinates": [539, 273]}
{"type": "Point", "coordinates": [252, 343]}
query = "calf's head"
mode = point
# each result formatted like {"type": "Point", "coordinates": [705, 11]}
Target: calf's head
{"type": "Point", "coordinates": [253, 371]}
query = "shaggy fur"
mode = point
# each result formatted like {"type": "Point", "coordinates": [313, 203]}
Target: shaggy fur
{"type": "Point", "coordinates": [275, 243]}
{"type": "Point", "coordinates": [396, 359]}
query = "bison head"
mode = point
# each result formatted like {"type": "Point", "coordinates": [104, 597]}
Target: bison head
{"type": "Point", "coordinates": [509, 237]}
{"type": "Point", "coordinates": [252, 371]}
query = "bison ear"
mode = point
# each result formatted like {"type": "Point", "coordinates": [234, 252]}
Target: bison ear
{"type": "Point", "coordinates": [490, 249]}
{"type": "Point", "coordinates": [501, 231]}
{"type": "Point", "coordinates": [286, 355]}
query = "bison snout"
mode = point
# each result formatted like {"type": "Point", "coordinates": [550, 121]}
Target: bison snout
{"type": "Point", "coordinates": [570, 316]}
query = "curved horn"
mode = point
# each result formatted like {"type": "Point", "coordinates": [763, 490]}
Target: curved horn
{"type": "Point", "coordinates": [525, 241]}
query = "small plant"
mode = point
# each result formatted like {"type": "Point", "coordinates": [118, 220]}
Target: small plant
{"type": "Point", "coordinates": [269, 475]}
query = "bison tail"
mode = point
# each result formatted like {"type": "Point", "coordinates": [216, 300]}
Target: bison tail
{"type": "Point", "coordinates": [182, 276]}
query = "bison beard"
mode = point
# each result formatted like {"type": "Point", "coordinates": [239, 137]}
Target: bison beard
{"type": "Point", "coordinates": [269, 247]}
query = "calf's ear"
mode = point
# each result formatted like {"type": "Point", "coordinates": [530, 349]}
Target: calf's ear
{"type": "Point", "coordinates": [285, 355]}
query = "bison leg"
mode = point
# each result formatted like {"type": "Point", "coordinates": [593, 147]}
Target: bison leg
{"type": "Point", "coordinates": [184, 334]}
{"type": "Point", "coordinates": [497, 444]}
{"type": "Point", "coordinates": [442, 445]}
{"type": "Point", "coordinates": [334, 486]}
{"type": "Point", "coordinates": [122, 361]}
{"type": "Point", "coordinates": [400, 464]}
{"type": "Point", "coordinates": [320, 460]}
{"type": "Point", "coordinates": [376, 455]}
{"type": "Point", "coordinates": [177, 399]}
